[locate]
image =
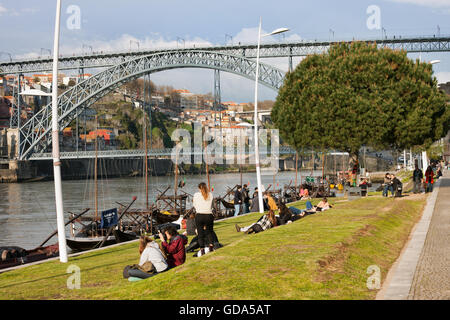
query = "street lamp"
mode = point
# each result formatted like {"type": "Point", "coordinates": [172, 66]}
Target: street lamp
{"type": "Point", "coordinates": [228, 36]}
{"type": "Point", "coordinates": [49, 51]}
{"type": "Point", "coordinates": [6, 53]}
{"type": "Point", "coordinates": [133, 41]}
{"type": "Point", "coordinates": [181, 39]}
{"type": "Point", "coordinates": [55, 143]}
{"type": "Point", "coordinates": [86, 46]}
{"type": "Point", "coordinates": [257, 164]}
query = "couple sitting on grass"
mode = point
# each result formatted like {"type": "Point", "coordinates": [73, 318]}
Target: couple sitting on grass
{"type": "Point", "coordinates": [158, 258]}
{"type": "Point", "coordinates": [287, 215]}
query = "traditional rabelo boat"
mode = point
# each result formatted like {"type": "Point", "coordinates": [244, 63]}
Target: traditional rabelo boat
{"type": "Point", "coordinates": [99, 228]}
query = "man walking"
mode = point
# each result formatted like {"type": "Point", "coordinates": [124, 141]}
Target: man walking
{"type": "Point", "coordinates": [417, 178]}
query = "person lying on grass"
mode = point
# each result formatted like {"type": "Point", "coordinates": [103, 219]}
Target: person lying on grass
{"type": "Point", "coordinates": [152, 261]}
{"type": "Point", "coordinates": [267, 221]}
{"type": "Point", "coordinates": [173, 246]}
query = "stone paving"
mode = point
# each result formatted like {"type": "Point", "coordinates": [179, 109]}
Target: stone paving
{"type": "Point", "coordinates": [432, 276]}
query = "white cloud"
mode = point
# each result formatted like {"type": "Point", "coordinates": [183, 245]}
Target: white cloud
{"type": "Point", "coordinates": [196, 80]}
{"type": "Point", "coordinates": [426, 3]}
{"type": "Point", "coordinates": [443, 77]}
{"type": "Point", "coordinates": [2, 10]}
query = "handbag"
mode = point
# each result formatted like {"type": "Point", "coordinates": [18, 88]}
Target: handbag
{"type": "Point", "coordinates": [147, 267]}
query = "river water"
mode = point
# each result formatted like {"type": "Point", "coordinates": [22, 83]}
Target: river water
{"type": "Point", "coordinates": [28, 214]}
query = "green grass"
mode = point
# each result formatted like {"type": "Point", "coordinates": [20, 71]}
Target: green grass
{"type": "Point", "coordinates": [323, 256]}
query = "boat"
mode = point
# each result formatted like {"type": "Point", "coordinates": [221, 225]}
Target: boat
{"type": "Point", "coordinates": [98, 231]}
{"type": "Point", "coordinates": [15, 256]}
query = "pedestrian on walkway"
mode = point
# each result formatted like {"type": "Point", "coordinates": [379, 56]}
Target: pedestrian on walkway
{"type": "Point", "coordinates": [417, 178]}
{"type": "Point", "coordinates": [429, 175]}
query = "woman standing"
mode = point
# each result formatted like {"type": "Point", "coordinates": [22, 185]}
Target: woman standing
{"type": "Point", "coordinates": [204, 218]}
{"type": "Point", "coordinates": [429, 175]}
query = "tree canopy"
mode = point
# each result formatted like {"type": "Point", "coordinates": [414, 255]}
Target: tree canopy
{"type": "Point", "coordinates": [358, 94]}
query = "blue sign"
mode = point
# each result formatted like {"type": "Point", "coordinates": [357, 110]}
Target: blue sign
{"type": "Point", "coordinates": [109, 218]}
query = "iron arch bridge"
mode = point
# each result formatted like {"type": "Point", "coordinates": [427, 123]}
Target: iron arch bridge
{"type": "Point", "coordinates": [35, 134]}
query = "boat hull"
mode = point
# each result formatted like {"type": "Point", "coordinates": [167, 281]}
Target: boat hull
{"type": "Point", "coordinates": [29, 256]}
{"type": "Point", "coordinates": [88, 243]}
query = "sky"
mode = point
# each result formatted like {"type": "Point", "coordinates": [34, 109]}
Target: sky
{"type": "Point", "coordinates": [111, 25]}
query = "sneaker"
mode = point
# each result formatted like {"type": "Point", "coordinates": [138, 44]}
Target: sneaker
{"type": "Point", "coordinates": [238, 229]}
{"type": "Point", "coordinates": [199, 253]}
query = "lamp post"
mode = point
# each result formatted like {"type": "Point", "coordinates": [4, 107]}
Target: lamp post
{"type": "Point", "coordinates": [179, 40]}
{"type": "Point", "coordinates": [257, 164]}
{"type": "Point", "coordinates": [55, 143]}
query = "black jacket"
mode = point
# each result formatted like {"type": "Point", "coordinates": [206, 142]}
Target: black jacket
{"type": "Point", "coordinates": [237, 197]}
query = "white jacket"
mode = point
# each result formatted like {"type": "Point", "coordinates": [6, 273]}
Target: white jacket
{"type": "Point", "coordinates": [200, 204]}
{"type": "Point", "coordinates": [153, 254]}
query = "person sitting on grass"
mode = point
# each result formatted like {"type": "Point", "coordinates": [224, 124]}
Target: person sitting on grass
{"type": "Point", "coordinates": [270, 201]}
{"type": "Point", "coordinates": [321, 206]}
{"type": "Point", "coordinates": [291, 214]}
{"type": "Point", "coordinates": [173, 246]}
{"type": "Point", "coordinates": [267, 221]}
{"type": "Point", "coordinates": [152, 261]}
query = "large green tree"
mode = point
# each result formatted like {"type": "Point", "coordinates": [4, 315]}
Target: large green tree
{"type": "Point", "coordinates": [358, 94]}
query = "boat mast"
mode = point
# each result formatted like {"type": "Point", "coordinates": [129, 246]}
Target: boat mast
{"type": "Point", "coordinates": [95, 168]}
{"type": "Point", "coordinates": [146, 159]}
{"type": "Point", "coordinates": [206, 158]}
{"type": "Point", "coordinates": [296, 171]}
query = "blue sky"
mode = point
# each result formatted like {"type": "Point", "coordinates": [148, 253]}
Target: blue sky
{"type": "Point", "coordinates": [107, 25]}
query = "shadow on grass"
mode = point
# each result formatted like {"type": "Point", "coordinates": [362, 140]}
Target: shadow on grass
{"type": "Point", "coordinates": [62, 275]}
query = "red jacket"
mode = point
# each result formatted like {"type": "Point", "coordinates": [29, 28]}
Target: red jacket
{"type": "Point", "coordinates": [176, 255]}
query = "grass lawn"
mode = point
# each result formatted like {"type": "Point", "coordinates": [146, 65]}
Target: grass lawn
{"type": "Point", "coordinates": [323, 256]}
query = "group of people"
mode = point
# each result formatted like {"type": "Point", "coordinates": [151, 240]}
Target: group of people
{"type": "Point", "coordinates": [243, 203]}
{"type": "Point", "coordinates": [428, 181]}
{"type": "Point", "coordinates": [393, 184]}
{"type": "Point", "coordinates": [286, 215]}
{"type": "Point", "coordinates": [171, 252]}
{"type": "Point", "coordinates": [156, 258]}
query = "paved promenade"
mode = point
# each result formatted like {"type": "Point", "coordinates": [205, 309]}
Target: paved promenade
{"type": "Point", "coordinates": [423, 270]}
{"type": "Point", "coordinates": [432, 276]}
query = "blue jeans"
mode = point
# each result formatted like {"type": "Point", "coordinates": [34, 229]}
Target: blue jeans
{"type": "Point", "coordinates": [386, 190]}
{"type": "Point", "coordinates": [140, 274]}
{"type": "Point", "coordinates": [237, 208]}
{"type": "Point", "coordinates": [246, 208]}
{"type": "Point", "coordinates": [429, 187]}
{"type": "Point", "coordinates": [295, 210]}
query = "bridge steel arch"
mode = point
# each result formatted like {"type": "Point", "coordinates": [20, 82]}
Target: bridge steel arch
{"type": "Point", "coordinates": [36, 132]}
